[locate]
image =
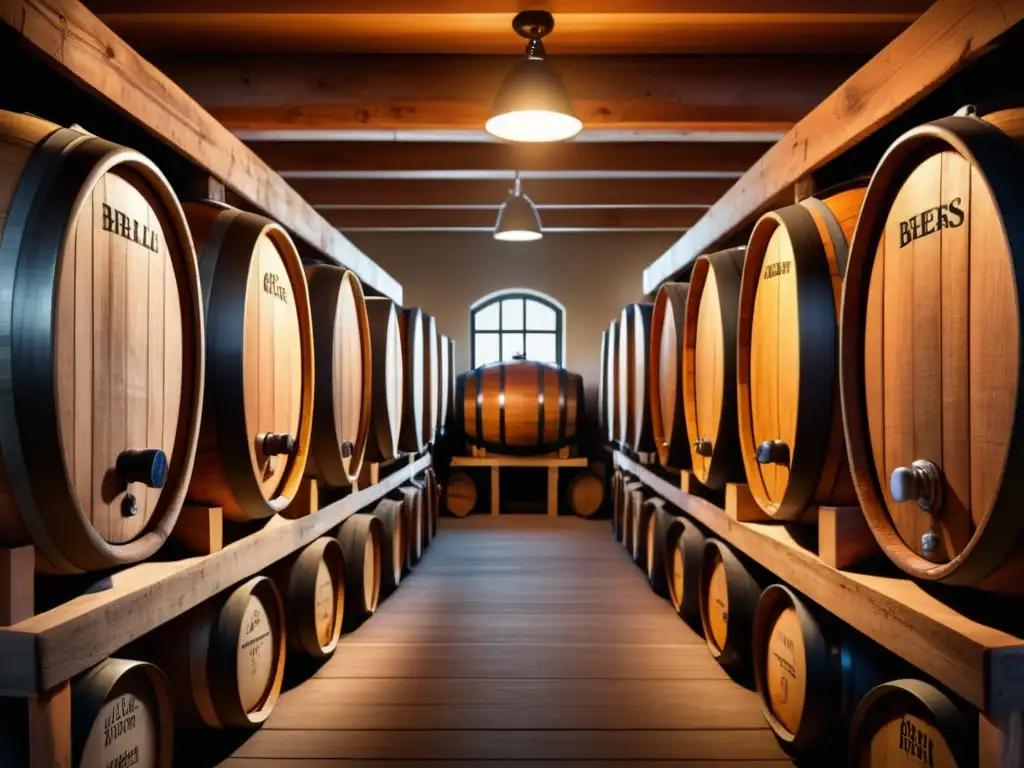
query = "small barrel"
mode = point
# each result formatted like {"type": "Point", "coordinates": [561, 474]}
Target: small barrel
{"type": "Point", "coordinates": [312, 585]}
{"type": "Point", "coordinates": [602, 386]}
{"type": "Point", "coordinates": [668, 417]}
{"type": "Point", "coordinates": [412, 510]}
{"type": "Point", "coordinates": [360, 538]}
{"type": "Point", "coordinates": [342, 400]}
{"type": "Point", "coordinates": [663, 528]}
{"type": "Point", "coordinates": [521, 407]}
{"type": "Point", "coordinates": [585, 493]}
{"type": "Point", "coordinates": [642, 511]}
{"type": "Point", "coordinates": [450, 390]}
{"type": "Point", "coordinates": [729, 592]}
{"type": "Point", "coordinates": [431, 379]}
{"type": "Point", "coordinates": [434, 496]}
{"type": "Point", "coordinates": [101, 348]}
{"type": "Point", "coordinates": [122, 714]}
{"type": "Point", "coordinates": [787, 376]}
{"type": "Point", "coordinates": [258, 417]}
{"type": "Point", "coordinates": [612, 384]}
{"type": "Point", "coordinates": [618, 477]}
{"type": "Point", "coordinates": [810, 672]}
{"type": "Point", "coordinates": [709, 367]}
{"type": "Point", "coordinates": [414, 406]}
{"type": "Point", "coordinates": [426, 509]}
{"type": "Point", "coordinates": [392, 545]}
{"type": "Point", "coordinates": [387, 379]}
{"type": "Point", "coordinates": [635, 428]}
{"type": "Point", "coordinates": [444, 356]}
{"type": "Point", "coordinates": [684, 571]}
{"type": "Point", "coordinates": [930, 359]}
{"type": "Point", "coordinates": [633, 497]}
{"type": "Point", "coordinates": [912, 723]}
{"type": "Point", "coordinates": [460, 494]}
{"type": "Point", "coordinates": [225, 658]}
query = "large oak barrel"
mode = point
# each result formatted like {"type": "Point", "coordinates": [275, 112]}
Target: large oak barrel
{"type": "Point", "coordinates": [444, 352]}
{"type": "Point", "coordinates": [521, 407]}
{"type": "Point", "coordinates": [810, 671]}
{"type": "Point", "coordinates": [913, 723]}
{"type": "Point", "coordinates": [633, 369]}
{"type": "Point", "coordinates": [431, 379]}
{"type": "Point", "coordinates": [258, 417]}
{"type": "Point", "coordinates": [729, 591]}
{"type": "Point", "coordinates": [709, 367]}
{"type": "Point", "coordinates": [360, 537]}
{"type": "Point", "coordinates": [101, 349]}
{"type": "Point", "coordinates": [668, 417]}
{"type": "Point", "coordinates": [932, 388]}
{"type": "Point", "coordinates": [642, 512]}
{"type": "Point", "coordinates": [790, 422]}
{"type": "Point", "coordinates": [387, 379]}
{"type": "Point", "coordinates": [312, 585]}
{"type": "Point", "coordinates": [121, 715]}
{"type": "Point", "coordinates": [342, 400]}
{"type": "Point", "coordinates": [612, 383]}
{"type": "Point", "coordinates": [684, 567]}
{"type": "Point", "coordinates": [414, 405]}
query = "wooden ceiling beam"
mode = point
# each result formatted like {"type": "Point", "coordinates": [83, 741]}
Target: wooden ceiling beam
{"type": "Point", "coordinates": [570, 219]}
{"type": "Point", "coordinates": [252, 93]}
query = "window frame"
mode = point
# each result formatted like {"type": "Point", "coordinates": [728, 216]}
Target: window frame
{"type": "Point", "coordinates": [523, 294]}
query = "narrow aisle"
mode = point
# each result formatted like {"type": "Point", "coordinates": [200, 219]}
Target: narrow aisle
{"type": "Point", "coordinates": [519, 638]}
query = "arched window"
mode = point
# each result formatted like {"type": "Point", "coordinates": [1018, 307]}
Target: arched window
{"type": "Point", "coordinates": [519, 321]}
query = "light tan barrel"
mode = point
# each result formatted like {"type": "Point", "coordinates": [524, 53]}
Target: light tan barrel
{"type": "Point", "coordinates": [312, 585]}
{"type": "Point", "coordinates": [585, 493]}
{"type": "Point", "coordinates": [729, 592]}
{"type": "Point", "coordinates": [342, 402]}
{"type": "Point", "coordinates": [790, 422]}
{"type": "Point", "coordinates": [392, 545]}
{"type": "Point", "coordinates": [668, 417]}
{"type": "Point", "coordinates": [602, 387]}
{"type": "Point", "coordinates": [460, 494]}
{"type": "Point", "coordinates": [635, 430]}
{"type": "Point", "coordinates": [444, 356]}
{"type": "Point", "coordinates": [912, 723]}
{"type": "Point", "coordinates": [684, 567]}
{"type": "Point", "coordinates": [930, 358]}
{"type": "Point", "coordinates": [101, 349]}
{"type": "Point", "coordinates": [431, 379]}
{"type": "Point", "coordinates": [360, 537]}
{"type": "Point", "coordinates": [661, 536]}
{"type": "Point", "coordinates": [612, 383]}
{"type": "Point", "coordinates": [258, 417]}
{"type": "Point", "coordinates": [414, 405]}
{"type": "Point", "coordinates": [387, 388]}
{"type": "Point", "coordinates": [122, 714]}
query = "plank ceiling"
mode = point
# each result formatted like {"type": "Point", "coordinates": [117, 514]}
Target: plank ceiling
{"type": "Point", "coordinates": [374, 111]}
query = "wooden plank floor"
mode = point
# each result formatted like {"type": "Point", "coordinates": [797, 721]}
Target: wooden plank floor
{"type": "Point", "coordinates": [519, 638]}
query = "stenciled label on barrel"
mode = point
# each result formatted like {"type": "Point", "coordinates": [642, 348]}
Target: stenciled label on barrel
{"type": "Point", "coordinates": [718, 605]}
{"type": "Point", "coordinates": [325, 603]}
{"type": "Point", "coordinates": [370, 566]}
{"type": "Point", "coordinates": [785, 670]}
{"type": "Point", "coordinates": [907, 742]}
{"type": "Point", "coordinates": [125, 733]}
{"type": "Point", "coordinates": [677, 577]}
{"type": "Point", "coordinates": [257, 652]}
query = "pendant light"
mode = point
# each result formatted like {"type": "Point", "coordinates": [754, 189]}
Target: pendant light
{"type": "Point", "coordinates": [532, 104]}
{"type": "Point", "coordinates": [518, 220]}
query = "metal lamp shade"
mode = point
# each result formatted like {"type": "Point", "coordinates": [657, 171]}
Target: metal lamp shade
{"type": "Point", "coordinates": [518, 220]}
{"type": "Point", "coordinates": [533, 105]}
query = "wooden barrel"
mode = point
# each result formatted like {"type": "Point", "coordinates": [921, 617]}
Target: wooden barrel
{"type": "Point", "coordinates": [312, 585]}
{"type": "Point", "coordinates": [360, 537]}
{"type": "Point", "coordinates": [414, 406]}
{"type": "Point", "coordinates": [787, 375]}
{"type": "Point", "coordinates": [444, 356]}
{"type": "Point", "coordinates": [450, 390]}
{"type": "Point", "coordinates": [709, 367]}
{"type": "Point", "coordinates": [910, 722]}
{"type": "Point", "coordinates": [431, 379]}
{"type": "Point", "coordinates": [668, 418]}
{"type": "Point", "coordinates": [342, 402]}
{"type": "Point", "coordinates": [521, 407]}
{"type": "Point", "coordinates": [930, 358]}
{"type": "Point", "coordinates": [633, 368]}
{"type": "Point", "coordinates": [258, 417]}
{"type": "Point", "coordinates": [634, 501]}
{"type": "Point", "coordinates": [426, 509]}
{"type": "Point", "coordinates": [412, 509]}
{"type": "Point", "coordinates": [585, 493]}
{"type": "Point", "coordinates": [810, 672]}
{"type": "Point", "coordinates": [387, 379]}
{"type": "Point", "coordinates": [602, 387]}
{"type": "Point", "coordinates": [434, 496]}
{"type": "Point", "coordinates": [101, 307]}
{"type": "Point", "coordinates": [225, 658]}
{"type": "Point", "coordinates": [121, 715]}
{"type": "Point", "coordinates": [392, 545]}
{"type": "Point", "coordinates": [612, 384]}
{"type": "Point", "coordinates": [618, 478]}
{"type": "Point", "coordinates": [684, 566]}
{"type": "Point", "coordinates": [729, 592]}
{"type": "Point", "coordinates": [460, 494]}
{"type": "Point", "coordinates": [642, 512]}
{"type": "Point", "coordinates": [663, 529]}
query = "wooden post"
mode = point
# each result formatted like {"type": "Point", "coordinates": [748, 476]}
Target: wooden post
{"type": "Point", "coordinates": [495, 491]}
{"type": "Point", "coordinates": [1001, 741]}
{"type": "Point", "coordinates": [17, 585]}
{"type": "Point", "coordinates": [740, 505]}
{"type": "Point", "coordinates": [803, 188]}
{"type": "Point", "coordinates": [200, 529]}
{"type": "Point", "coordinates": [306, 501]}
{"type": "Point", "coordinates": [205, 187]}
{"type": "Point", "coordinates": [49, 728]}
{"type": "Point", "coordinates": [844, 537]}
{"type": "Point", "coordinates": [553, 491]}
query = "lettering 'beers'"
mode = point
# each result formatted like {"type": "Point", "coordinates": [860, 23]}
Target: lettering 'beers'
{"type": "Point", "coordinates": [119, 223]}
{"type": "Point", "coordinates": [946, 216]}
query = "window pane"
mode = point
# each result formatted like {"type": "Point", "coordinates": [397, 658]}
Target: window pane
{"type": "Point", "coordinates": [541, 347]}
{"type": "Point", "coordinates": [512, 315]}
{"type": "Point", "coordinates": [539, 317]}
{"type": "Point", "coordinates": [486, 348]}
{"type": "Point", "coordinates": [487, 318]}
{"type": "Point", "coordinates": [511, 345]}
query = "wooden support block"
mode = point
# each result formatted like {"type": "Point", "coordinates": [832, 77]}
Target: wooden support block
{"type": "Point", "coordinates": [495, 491]}
{"type": "Point", "coordinates": [205, 187]}
{"type": "Point", "coordinates": [49, 727]}
{"type": "Point", "coordinates": [844, 537]}
{"type": "Point", "coordinates": [17, 584]}
{"type": "Point", "coordinates": [368, 475]}
{"type": "Point", "coordinates": [1001, 741]}
{"type": "Point", "coordinates": [200, 529]}
{"type": "Point", "coordinates": [740, 505]}
{"type": "Point", "coordinates": [306, 501]}
{"type": "Point", "coordinates": [553, 491]}
{"type": "Point", "coordinates": [804, 187]}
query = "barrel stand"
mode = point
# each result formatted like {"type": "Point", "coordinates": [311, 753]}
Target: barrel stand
{"type": "Point", "coordinates": [496, 462]}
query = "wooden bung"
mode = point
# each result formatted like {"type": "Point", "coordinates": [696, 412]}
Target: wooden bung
{"type": "Point", "coordinates": [709, 367]}
{"type": "Point", "coordinates": [520, 407]}
{"type": "Point", "coordinates": [392, 544]}
{"type": "Point", "coordinates": [342, 399]}
{"type": "Point", "coordinates": [360, 538]}
{"type": "Point", "coordinates": [910, 722]}
{"type": "Point", "coordinates": [102, 349]}
{"type": "Point", "coordinates": [460, 494]}
{"type": "Point", "coordinates": [634, 396]}
{"type": "Point", "coordinates": [930, 357]}
{"type": "Point", "coordinates": [810, 672]}
{"type": "Point", "coordinates": [312, 585]}
{"type": "Point", "coordinates": [612, 384]}
{"type": "Point", "coordinates": [685, 567]}
{"type": "Point", "coordinates": [668, 419]}
{"type": "Point", "coordinates": [729, 591]}
{"type": "Point", "coordinates": [387, 379]}
{"type": "Point", "coordinates": [431, 379]}
{"type": "Point", "coordinates": [122, 714]}
{"type": "Point", "coordinates": [258, 416]}
{"type": "Point", "coordinates": [413, 335]}
{"type": "Point", "coordinates": [663, 529]}
{"type": "Point", "coordinates": [790, 422]}
{"type": "Point", "coordinates": [585, 493]}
